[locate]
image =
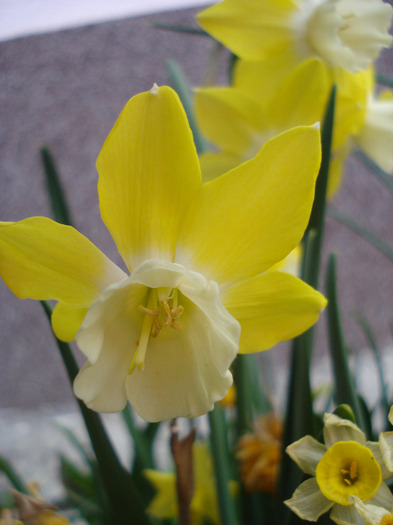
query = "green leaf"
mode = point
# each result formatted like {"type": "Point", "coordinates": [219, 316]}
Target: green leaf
{"type": "Point", "coordinates": [370, 336]}
{"type": "Point", "coordinates": [180, 29]}
{"type": "Point", "coordinates": [384, 80]}
{"type": "Point", "coordinates": [180, 84]}
{"type": "Point", "coordinates": [13, 477]}
{"type": "Point", "coordinates": [220, 453]}
{"type": "Point", "coordinates": [345, 391]}
{"type": "Point", "coordinates": [126, 503]}
{"type": "Point", "coordinates": [56, 193]}
{"type": "Point", "coordinates": [361, 230]}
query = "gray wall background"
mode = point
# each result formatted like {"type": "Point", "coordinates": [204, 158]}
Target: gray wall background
{"type": "Point", "coordinates": [66, 90]}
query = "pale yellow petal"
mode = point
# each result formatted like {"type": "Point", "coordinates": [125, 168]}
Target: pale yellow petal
{"type": "Point", "coordinates": [346, 515]}
{"type": "Point", "coordinates": [272, 307]}
{"type": "Point", "coordinates": [339, 429]}
{"type": "Point", "coordinates": [149, 171]}
{"type": "Point", "coordinates": [41, 259]}
{"type": "Point", "coordinates": [227, 117]}
{"type": "Point", "coordinates": [250, 218]}
{"type": "Point", "coordinates": [308, 502]}
{"type": "Point", "coordinates": [307, 453]}
{"type": "Point", "coordinates": [214, 164]}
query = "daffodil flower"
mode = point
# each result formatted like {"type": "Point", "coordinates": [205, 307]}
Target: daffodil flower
{"type": "Point", "coordinates": [345, 466]}
{"type": "Point", "coordinates": [348, 34]}
{"type": "Point", "coordinates": [198, 288]}
{"type": "Point", "coordinates": [204, 503]}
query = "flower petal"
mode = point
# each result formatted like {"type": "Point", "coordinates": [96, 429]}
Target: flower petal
{"type": "Point", "coordinates": [252, 30]}
{"type": "Point", "coordinates": [227, 117]}
{"type": "Point", "coordinates": [377, 453]}
{"type": "Point", "coordinates": [376, 136]}
{"type": "Point", "coordinates": [307, 453]}
{"type": "Point", "coordinates": [386, 445]}
{"type": "Point", "coordinates": [272, 307]}
{"type": "Point", "coordinates": [250, 218]}
{"type": "Point", "coordinates": [308, 502]}
{"type": "Point", "coordinates": [383, 497]}
{"type": "Point", "coordinates": [214, 164]}
{"type": "Point", "coordinates": [66, 320]}
{"type": "Point", "coordinates": [41, 259]}
{"type": "Point", "coordinates": [346, 515]}
{"type": "Point", "coordinates": [339, 429]}
{"type": "Point", "coordinates": [164, 503]}
{"type": "Point", "coordinates": [370, 513]}
{"type": "Point", "coordinates": [149, 171]}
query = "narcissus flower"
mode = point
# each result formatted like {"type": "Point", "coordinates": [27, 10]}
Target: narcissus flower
{"type": "Point", "coordinates": [345, 466]}
{"type": "Point", "coordinates": [259, 454]}
{"type": "Point", "coordinates": [343, 33]}
{"type": "Point", "coordinates": [199, 288]}
{"type": "Point", "coordinates": [204, 504]}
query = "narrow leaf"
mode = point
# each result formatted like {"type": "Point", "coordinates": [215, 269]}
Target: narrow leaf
{"type": "Point", "coordinates": [180, 84]}
{"type": "Point", "coordinates": [55, 189]}
{"type": "Point", "coordinates": [220, 453]}
{"type": "Point", "coordinates": [345, 391]}
{"type": "Point", "coordinates": [13, 476]}
{"type": "Point", "coordinates": [361, 230]}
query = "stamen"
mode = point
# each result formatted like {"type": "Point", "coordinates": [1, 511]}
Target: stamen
{"type": "Point", "coordinates": [157, 314]}
{"type": "Point", "coordinates": [350, 474]}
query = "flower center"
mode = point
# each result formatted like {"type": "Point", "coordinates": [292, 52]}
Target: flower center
{"type": "Point", "coordinates": [162, 310]}
{"type": "Point", "coordinates": [348, 469]}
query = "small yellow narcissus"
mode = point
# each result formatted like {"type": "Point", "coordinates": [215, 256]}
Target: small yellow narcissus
{"type": "Point", "coordinates": [346, 466]}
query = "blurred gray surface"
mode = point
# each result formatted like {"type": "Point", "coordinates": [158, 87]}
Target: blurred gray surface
{"type": "Point", "coordinates": [66, 90]}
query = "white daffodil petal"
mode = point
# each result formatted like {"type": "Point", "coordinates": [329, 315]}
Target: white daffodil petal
{"type": "Point", "coordinates": [382, 498]}
{"type": "Point", "coordinates": [345, 515]}
{"type": "Point", "coordinates": [308, 502]}
{"type": "Point", "coordinates": [338, 429]}
{"type": "Point", "coordinates": [306, 452]}
{"type": "Point", "coordinates": [370, 513]}
{"type": "Point", "coordinates": [187, 369]}
{"type": "Point", "coordinates": [386, 446]}
{"type": "Point", "coordinates": [377, 453]}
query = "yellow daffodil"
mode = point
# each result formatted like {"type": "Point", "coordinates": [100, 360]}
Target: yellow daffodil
{"type": "Point", "coordinates": [372, 514]}
{"type": "Point", "coordinates": [343, 33]}
{"type": "Point", "coordinates": [204, 503]}
{"type": "Point", "coordinates": [198, 287]}
{"type": "Point", "coordinates": [345, 466]}
{"type": "Point", "coordinates": [259, 454]}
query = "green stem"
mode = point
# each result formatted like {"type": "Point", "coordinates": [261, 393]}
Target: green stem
{"type": "Point", "coordinates": [219, 444]}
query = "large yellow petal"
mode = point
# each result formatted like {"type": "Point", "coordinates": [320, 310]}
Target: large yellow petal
{"type": "Point", "coordinates": [227, 117]}
{"type": "Point", "coordinates": [149, 171]}
{"type": "Point", "coordinates": [250, 218]}
{"type": "Point", "coordinates": [217, 163]}
{"type": "Point", "coordinates": [252, 30]}
{"type": "Point", "coordinates": [41, 259]}
{"type": "Point", "coordinates": [66, 320]}
{"type": "Point", "coordinates": [272, 307]}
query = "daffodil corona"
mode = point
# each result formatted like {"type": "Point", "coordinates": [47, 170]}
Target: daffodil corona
{"type": "Point", "coordinates": [200, 282]}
